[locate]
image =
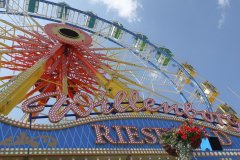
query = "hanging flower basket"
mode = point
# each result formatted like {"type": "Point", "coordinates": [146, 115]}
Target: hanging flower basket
{"type": "Point", "coordinates": [169, 149]}
{"type": "Point", "coordinates": [183, 140]}
{"type": "Point", "coordinates": [196, 144]}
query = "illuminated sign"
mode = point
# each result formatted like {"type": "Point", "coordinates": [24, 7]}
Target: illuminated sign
{"type": "Point", "coordinates": [146, 135]}
{"type": "Point", "coordinates": [149, 104]}
{"type": "Point", "coordinates": [105, 134]}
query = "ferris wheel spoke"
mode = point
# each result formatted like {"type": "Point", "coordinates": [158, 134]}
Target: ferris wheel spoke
{"type": "Point", "coordinates": [50, 81]}
{"type": "Point", "coordinates": [7, 32]}
{"type": "Point", "coordinates": [221, 101]}
{"type": "Point", "coordinates": [126, 63]}
{"type": "Point", "coordinates": [49, 41]}
{"type": "Point", "coordinates": [14, 66]}
{"type": "Point", "coordinates": [25, 13]}
{"type": "Point", "coordinates": [87, 87]}
{"type": "Point", "coordinates": [194, 97]}
{"type": "Point", "coordinates": [22, 52]}
{"type": "Point", "coordinates": [25, 41]}
{"type": "Point", "coordinates": [108, 49]}
{"type": "Point", "coordinates": [152, 70]}
{"type": "Point", "coordinates": [157, 94]}
{"type": "Point", "coordinates": [6, 77]}
{"type": "Point", "coordinates": [99, 42]}
{"type": "Point", "coordinates": [18, 28]}
{"type": "Point", "coordinates": [18, 89]}
{"type": "Point", "coordinates": [40, 87]}
{"type": "Point", "coordinates": [25, 117]}
{"type": "Point", "coordinates": [35, 22]}
{"type": "Point", "coordinates": [10, 65]}
{"type": "Point", "coordinates": [131, 82]}
{"type": "Point", "coordinates": [100, 31]}
{"type": "Point", "coordinates": [14, 20]}
{"type": "Point", "coordinates": [4, 45]}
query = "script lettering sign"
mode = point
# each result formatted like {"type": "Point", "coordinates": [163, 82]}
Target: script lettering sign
{"type": "Point", "coordinates": [149, 104]}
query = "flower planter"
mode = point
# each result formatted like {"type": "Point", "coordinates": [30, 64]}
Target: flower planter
{"type": "Point", "coordinates": [196, 145]}
{"type": "Point", "coordinates": [169, 149]}
{"type": "Point", "coordinates": [181, 141]}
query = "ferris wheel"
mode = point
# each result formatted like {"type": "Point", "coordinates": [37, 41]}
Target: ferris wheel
{"type": "Point", "coordinates": [51, 47]}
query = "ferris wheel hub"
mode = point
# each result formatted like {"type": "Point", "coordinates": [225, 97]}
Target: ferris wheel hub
{"type": "Point", "coordinates": [67, 34]}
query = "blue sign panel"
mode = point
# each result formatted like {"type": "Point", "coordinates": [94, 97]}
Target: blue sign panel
{"type": "Point", "coordinates": [84, 134]}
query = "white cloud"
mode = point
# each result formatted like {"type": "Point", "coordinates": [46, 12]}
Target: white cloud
{"type": "Point", "coordinates": [125, 8]}
{"type": "Point", "coordinates": [221, 20]}
{"type": "Point", "coordinates": [223, 4]}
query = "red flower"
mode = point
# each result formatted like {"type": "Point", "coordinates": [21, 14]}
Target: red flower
{"type": "Point", "coordinates": [191, 121]}
{"type": "Point", "coordinates": [184, 137]}
{"type": "Point", "coordinates": [187, 132]}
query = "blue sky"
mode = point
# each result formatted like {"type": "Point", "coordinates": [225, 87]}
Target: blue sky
{"type": "Point", "coordinates": [204, 33]}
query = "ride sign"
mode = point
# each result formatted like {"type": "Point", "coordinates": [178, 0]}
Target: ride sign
{"type": "Point", "coordinates": [84, 108]}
